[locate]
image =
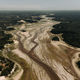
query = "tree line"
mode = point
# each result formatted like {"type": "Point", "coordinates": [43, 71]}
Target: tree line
{"type": "Point", "coordinates": [69, 26]}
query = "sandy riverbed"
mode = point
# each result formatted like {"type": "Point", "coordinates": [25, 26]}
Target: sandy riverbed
{"type": "Point", "coordinates": [52, 53]}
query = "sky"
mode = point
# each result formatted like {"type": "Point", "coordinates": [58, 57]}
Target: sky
{"type": "Point", "coordinates": [39, 4]}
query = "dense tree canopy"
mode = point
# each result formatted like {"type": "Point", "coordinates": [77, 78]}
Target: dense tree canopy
{"type": "Point", "coordinates": [69, 26]}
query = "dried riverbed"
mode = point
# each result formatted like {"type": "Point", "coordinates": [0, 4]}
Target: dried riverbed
{"type": "Point", "coordinates": [48, 60]}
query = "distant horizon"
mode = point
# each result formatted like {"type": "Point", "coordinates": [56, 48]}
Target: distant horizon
{"type": "Point", "coordinates": [39, 10]}
{"type": "Point", "coordinates": [40, 5]}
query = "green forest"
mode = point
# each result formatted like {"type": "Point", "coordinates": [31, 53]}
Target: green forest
{"type": "Point", "coordinates": [7, 68]}
{"type": "Point", "coordinates": [69, 26]}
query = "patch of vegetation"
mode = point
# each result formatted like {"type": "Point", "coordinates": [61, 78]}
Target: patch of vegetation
{"type": "Point", "coordinates": [50, 16]}
{"type": "Point", "coordinates": [23, 30]}
{"type": "Point", "coordinates": [55, 39]}
{"type": "Point", "coordinates": [19, 23]}
{"type": "Point", "coordinates": [1, 68]}
{"type": "Point", "coordinates": [38, 18]}
{"type": "Point", "coordinates": [9, 29]}
{"type": "Point", "coordinates": [31, 21]}
{"type": "Point", "coordinates": [4, 39]}
{"type": "Point", "coordinates": [6, 66]}
{"type": "Point", "coordinates": [78, 64]}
